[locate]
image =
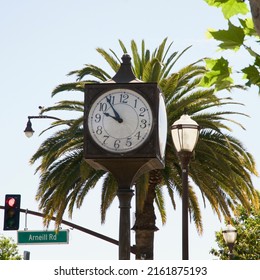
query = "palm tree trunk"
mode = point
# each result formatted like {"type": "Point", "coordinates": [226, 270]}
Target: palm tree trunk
{"type": "Point", "coordinates": [145, 222]}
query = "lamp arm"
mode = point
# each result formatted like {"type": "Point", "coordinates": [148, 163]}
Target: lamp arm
{"type": "Point", "coordinates": [44, 117]}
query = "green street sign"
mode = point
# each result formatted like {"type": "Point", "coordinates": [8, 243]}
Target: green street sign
{"type": "Point", "coordinates": [43, 237]}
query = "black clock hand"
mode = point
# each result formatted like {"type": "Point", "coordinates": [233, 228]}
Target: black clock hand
{"type": "Point", "coordinates": [117, 117]}
{"type": "Point", "coordinates": [113, 117]}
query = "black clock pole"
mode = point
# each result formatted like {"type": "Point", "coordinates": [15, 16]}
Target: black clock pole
{"type": "Point", "coordinates": [124, 196]}
{"type": "Point", "coordinates": [126, 173]}
{"type": "Point", "coordinates": [124, 192]}
{"type": "Point", "coordinates": [125, 167]}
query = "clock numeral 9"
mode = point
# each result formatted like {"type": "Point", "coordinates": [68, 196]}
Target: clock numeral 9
{"type": "Point", "coordinates": [97, 118]}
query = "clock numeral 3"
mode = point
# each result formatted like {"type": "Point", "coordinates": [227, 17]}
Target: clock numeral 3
{"type": "Point", "coordinates": [143, 123]}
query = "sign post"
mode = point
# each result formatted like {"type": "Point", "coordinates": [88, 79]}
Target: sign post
{"type": "Point", "coordinates": [43, 237]}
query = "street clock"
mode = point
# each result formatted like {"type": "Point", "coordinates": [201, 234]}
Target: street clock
{"type": "Point", "coordinates": [124, 123]}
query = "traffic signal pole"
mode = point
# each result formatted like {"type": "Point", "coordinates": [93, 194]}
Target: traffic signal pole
{"type": "Point", "coordinates": [75, 226]}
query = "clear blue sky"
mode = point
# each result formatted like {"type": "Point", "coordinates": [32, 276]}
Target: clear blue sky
{"type": "Point", "coordinates": [41, 41]}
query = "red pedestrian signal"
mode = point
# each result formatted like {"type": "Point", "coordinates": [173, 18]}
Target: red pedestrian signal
{"type": "Point", "coordinates": [12, 211]}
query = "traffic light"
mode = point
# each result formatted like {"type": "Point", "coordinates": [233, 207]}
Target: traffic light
{"type": "Point", "coordinates": [12, 211]}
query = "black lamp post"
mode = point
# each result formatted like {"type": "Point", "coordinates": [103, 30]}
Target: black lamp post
{"type": "Point", "coordinates": [230, 236]}
{"type": "Point", "coordinates": [185, 134]}
{"type": "Point", "coordinates": [28, 130]}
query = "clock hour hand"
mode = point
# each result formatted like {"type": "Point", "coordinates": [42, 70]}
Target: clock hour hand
{"type": "Point", "coordinates": [113, 117]}
{"type": "Point", "coordinates": [116, 117]}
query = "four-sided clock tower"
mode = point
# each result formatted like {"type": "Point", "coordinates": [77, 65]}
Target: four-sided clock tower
{"type": "Point", "coordinates": [125, 129]}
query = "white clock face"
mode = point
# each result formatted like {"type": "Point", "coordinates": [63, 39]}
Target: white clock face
{"type": "Point", "coordinates": [120, 120]}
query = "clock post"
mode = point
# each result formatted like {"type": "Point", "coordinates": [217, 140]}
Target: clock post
{"type": "Point", "coordinates": [122, 135]}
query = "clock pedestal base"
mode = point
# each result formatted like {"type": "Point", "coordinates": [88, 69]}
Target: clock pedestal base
{"type": "Point", "coordinates": [125, 171]}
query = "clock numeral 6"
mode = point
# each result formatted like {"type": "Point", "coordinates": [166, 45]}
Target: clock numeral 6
{"type": "Point", "coordinates": [117, 144]}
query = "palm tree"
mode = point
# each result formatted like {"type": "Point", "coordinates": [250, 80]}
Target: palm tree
{"type": "Point", "coordinates": [222, 169]}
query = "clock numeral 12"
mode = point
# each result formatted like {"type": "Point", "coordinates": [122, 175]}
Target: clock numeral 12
{"type": "Point", "coordinates": [124, 98]}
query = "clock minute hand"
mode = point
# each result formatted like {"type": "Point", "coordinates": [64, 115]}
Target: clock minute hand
{"type": "Point", "coordinates": [117, 116]}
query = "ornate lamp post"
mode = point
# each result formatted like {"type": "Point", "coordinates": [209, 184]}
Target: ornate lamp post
{"type": "Point", "coordinates": [185, 133]}
{"type": "Point", "coordinates": [230, 236]}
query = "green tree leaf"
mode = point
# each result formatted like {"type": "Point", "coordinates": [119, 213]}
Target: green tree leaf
{"type": "Point", "coordinates": [234, 7]}
{"type": "Point", "coordinates": [230, 7]}
{"type": "Point", "coordinates": [218, 74]}
{"type": "Point", "coordinates": [244, 37]}
{"type": "Point", "coordinates": [216, 3]}
{"type": "Point", "coordinates": [252, 74]}
{"type": "Point", "coordinates": [248, 26]}
{"type": "Point", "coordinates": [232, 38]}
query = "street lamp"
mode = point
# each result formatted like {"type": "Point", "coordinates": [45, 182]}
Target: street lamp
{"type": "Point", "coordinates": [28, 130]}
{"type": "Point", "coordinates": [230, 236]}
{"type": "Point", "coordinates": [185, 134]}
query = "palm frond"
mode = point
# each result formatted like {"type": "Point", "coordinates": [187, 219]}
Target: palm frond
{"type": "Point", "coordinates": [159, 200]}
{"type": "Point", "coordinates": [91, 70]}
{"type": "Point", "coordinates": [112, 62]}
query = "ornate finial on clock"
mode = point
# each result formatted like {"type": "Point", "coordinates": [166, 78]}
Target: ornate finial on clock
{"type": "Point", "coordinates": [125, 73]}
